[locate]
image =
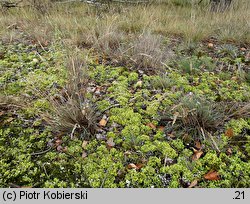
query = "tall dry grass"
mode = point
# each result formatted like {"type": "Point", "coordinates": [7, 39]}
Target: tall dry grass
{"type": "Point", "coordinates": [76, 22]}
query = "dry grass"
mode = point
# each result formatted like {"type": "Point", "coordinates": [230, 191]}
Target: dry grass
{"type": "Point", "coordinates": [198, 117]}
{"type": "Point", "coordinates": [71, 111]}
{"type": "Point", "coordinates": [75, 23]}
{"type": "Point", "coordinates": [146, 51]}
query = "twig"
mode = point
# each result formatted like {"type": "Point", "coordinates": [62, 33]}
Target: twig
{"type": "Point", "coordinates": [215, 145]}
{"type": "Point", "coordinates": [113, 106]}
{"type": "Point", "coordinates": [203, 134]}
{"type": "Point", "coordinates": [105, 178]}
{"type": "Point", "coordinates": [73, 130]}
{"type": "Point", "coordinates": [43, 152]}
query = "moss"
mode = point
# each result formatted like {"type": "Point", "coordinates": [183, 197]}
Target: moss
{"type": "Point", "coordinates": [238, 125]}
{"type": "Point", "coordinates": [178, 145]}
{"type": "Point", "coordinates": [102, 167]}
{"type": "Point", "coordinates": [177, 172]}
{"type": "Point", "coordinates": [132, 77]}
{"type": "Point", "coordinates": [103, 105]}
{"type": "Point", "coordinates": [147, 177]}
{"type": "Point", "coordinates": [166, 162]}
{"type": "Point", "coordinates": [125, 116]}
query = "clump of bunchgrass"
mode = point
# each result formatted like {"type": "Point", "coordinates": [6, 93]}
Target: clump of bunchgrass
{"type": "Point", "coordinates": [197, 114]}
{"type": "Point", "coordinates": [71, 110]}
{"type": "Point", "coordinates": [198, 117]}
{"type": "Point", "coordinates": [149, 52]}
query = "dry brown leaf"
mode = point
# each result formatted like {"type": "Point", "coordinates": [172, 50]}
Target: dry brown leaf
{"type": "Point", "coordinates": [193, 184]}
{"type": "Point", "coordinates": [103, 122]}
{"type": "Point", "coordinates": [198, 144]}
{"type": "Point", "coordinates": [197, 155]}
{"type": "Point", "coordinates": [110, 142]}
{"type": "Point", "coordinates": [229, 132]}
{"type": "Point", "coordinates": [151, 125]}
{"type": "Point", "coordinates": [176, 114]}
{"type": "Point", "coordinates": [171, 135]}
{"type": "Point", "coordinates": [139, 166]}
{"type": "Point", "coordinates": [84, 154]}
{"type": "Point", "coordinates": [161, 128]}
{"type": "Point", "coordinates": [132, 166]}
{"type": "Point", "coordinates": [243, 49]}
{"type": "Point", "coordinates": [58, 142]}
{"type": "Point", "coordinates": [84, 144]}
{"type": "Point", "coordinates": [212, 175]}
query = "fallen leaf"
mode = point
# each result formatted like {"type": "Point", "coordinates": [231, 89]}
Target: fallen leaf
{"type": "Point", "coordinates": [139, 166]}
{"type": "Point", "coordinates": [212, 175]}
{"type": "Point", "coordinates": [58, 142]}
{"type": "Point", "coordinates": [193, 184]}
{"type": "Point", "coordinates": [229, 151]}
{"type": "Point", "coordinates": [2, 113]}
{"type": "Point", "coordinates": [243, 49]}
{"type": "Point", "coordinates": [197, 145]}
{"type": "Point", "coordinates": [197, 155]}
{"type": "Point", "coordinates": [151, 125]}
{"type": "Point", "coordinates": [176, 114]}
{"type": "Point", "coordinates": [171, 135]}
{"type": "Point", "coordinates": [84, 154]}
{"type": "Point", "coordinates": [161, 128]}
{"type": "Point", "coordinates": [9, 120]}
{"type": "Point", "coordinates": [110, 142]}
{"type": "Point", "coordinates": [98, 89]}
{"type": "Point", "coordinates": [103, 122]}
{"type": "Point", "coordinates": [59, 148]}
{"type": "Point", "coordinates": [84, 144]}
{"type": "Point", "coordinates": [210, 45]}
{"type": "Point", "coordinates": [229, 132]}
{"type": "Point", "coordinates": [132, 166]}
{"type": "Point", "coordinates": [234, 78]}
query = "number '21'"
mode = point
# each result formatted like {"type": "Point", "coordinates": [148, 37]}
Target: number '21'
{"type": "Point", "coordinates": [239, 195]}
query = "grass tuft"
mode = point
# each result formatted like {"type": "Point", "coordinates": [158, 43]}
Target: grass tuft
{"type": "Point", "coordinates": [71, 111]}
